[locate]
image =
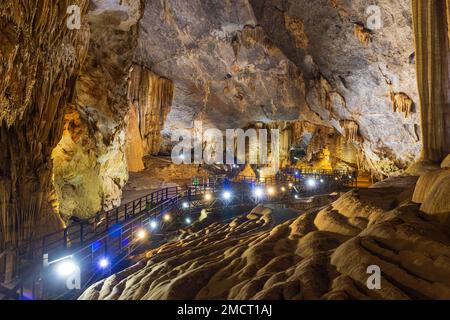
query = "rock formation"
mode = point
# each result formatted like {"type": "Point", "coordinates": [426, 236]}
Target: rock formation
{"type": "Point", "coordinates": [321, 254]}
{"type": "Point", "coordinates": [90, 166]}
{"type": "Point", "coordinates": [152, 96]}
{"type": "Point", "coordinates": [432, 76]}
{"type": "Point", "coordinates": [40, 61]}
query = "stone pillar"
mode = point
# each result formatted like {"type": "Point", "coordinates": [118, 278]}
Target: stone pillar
{"type": "Point", "coordinates": [432, 63]}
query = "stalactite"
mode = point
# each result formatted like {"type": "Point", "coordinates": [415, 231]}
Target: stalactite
{"type": "Point", "coordinates": [431, 41]}
{"type": "Point", "coordinates": [252, 35]}
{"type": "Point", "coordinates": [350, 130]}
{"type": "Point", "coordinates": [153, 96]}
{"type": "Point", "coordinates": [37, 83]}
{"type": "Point", "coordinates": [362, 34]}
{"type": "Point", "coordinates": [324, 91]}
{"type": "Point", "coordinates": [206, 92]}
{"type": "Point", "coordinates": [296, 28]}
{"type": "Point", "coordinates": [401, 102]}
{"type": "Point", "coordinates": [236, 45]}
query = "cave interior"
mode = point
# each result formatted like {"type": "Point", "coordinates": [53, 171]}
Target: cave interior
{"type": "Point", "coordinates": [348, 170]}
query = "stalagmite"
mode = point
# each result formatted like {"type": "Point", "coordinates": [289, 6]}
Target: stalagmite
{"type": "Point", "coordinates": [431, 42]}
{"type": "Point", "coordinates": [153, 97]}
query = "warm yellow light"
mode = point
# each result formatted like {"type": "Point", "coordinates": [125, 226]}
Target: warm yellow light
{"type": "Point", "coordinates": [270, 191]}
{"type": "Point", "coordinates": [283, 189]}
{"type": "Point", "coordinates": [141, 234]}
{"type": "Point", "coordinates": [167, 217]}
{"type": "Point", "coordinates": [208, 197]}
{"type": "Point", "coordinates": [291, 185]}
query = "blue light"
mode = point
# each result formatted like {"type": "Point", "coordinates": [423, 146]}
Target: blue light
{"type": "Point", "coordinates": [103, 263]}
{"type": "Point", "coordinates": [96, 245]}
{"type": "Point", "coordinates": [115, 231]}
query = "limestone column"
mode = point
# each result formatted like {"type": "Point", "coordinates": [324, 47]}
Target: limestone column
{"type": "Point", "coordinates": [432, 54]}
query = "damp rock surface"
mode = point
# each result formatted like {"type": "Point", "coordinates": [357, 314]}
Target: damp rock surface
{"type": "Point", "coordinates": [320, 254]}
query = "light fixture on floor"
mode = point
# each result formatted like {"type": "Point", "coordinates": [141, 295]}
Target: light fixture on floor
{"type": "Point", "coordinates": [153, 225]}
{"type": "Point", "coordinates": [66, 267]}
{"type": "Point", "coordinates": [258, 193]}
{"type": "Point", "coordinates": [103, 263]}
{"type": "Point", "coordinates": [311, 183]}
{"type": "Point", "coordinates": [141, 234]}
{"type": "Point", "coordinates": [227, 195]}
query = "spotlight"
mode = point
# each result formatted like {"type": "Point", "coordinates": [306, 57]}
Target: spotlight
{"type": "Point", "coordinates": [296, 196]}
{"type": "Point", "coordinates": [66, 268]}
{"type": "Point", "coordinates": [208, 197]}
{"type": "Point", "coordinates": [349, 177]}
{"type": "Point", "coordinates": [291, 185]}
{"type": "Point", "coordinates": [103, 263]}
{"type": "Point", "coordinates": [336, 178]}
{"type": "Point", "coordinates": [311, 183]}
{"type": "Point", "coordinates": [283, 189]}
{"type": "Point", "coordinates": [141, 234]}
{"type": "Point", "coordinates": [297, 173]}
{"type": "Point", "coordinates": [271, 191]}
{"type": "Point", "coordinates": [258, 192]}
{"type": "Point", "coordinates": [167, 217]}
{"type": "Point", "coordinates": [185, 205]}
{"type": "Point", "coordinates": [153, 225]}
{"type": "Point", "coordinates": [188, 221]}
{"type": "Point", "coordinates": [227, 195]}
{"type": "Point", "coordinates": [182, 156]}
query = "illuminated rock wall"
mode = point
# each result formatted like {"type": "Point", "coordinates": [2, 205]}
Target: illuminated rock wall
{"type": "Point", "coordinates": [90, 167]}
{"type": "Point", "coordinates": [39, 63]}
{"type": "Point", "coordinates": [152, 95]}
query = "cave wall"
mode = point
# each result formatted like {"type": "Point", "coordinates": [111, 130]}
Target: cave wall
{"type": "Point", "coordinates": [90, 167]}
{"type": "Point", "coordinates": [236, 62]}
{"type": "Point", "coordinates": [39, 64]}
{"type": "Point", "coordinates": [350, 80]}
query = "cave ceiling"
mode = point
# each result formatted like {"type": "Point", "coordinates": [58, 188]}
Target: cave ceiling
{"type": "Point", "coordinates": [238, 62]}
